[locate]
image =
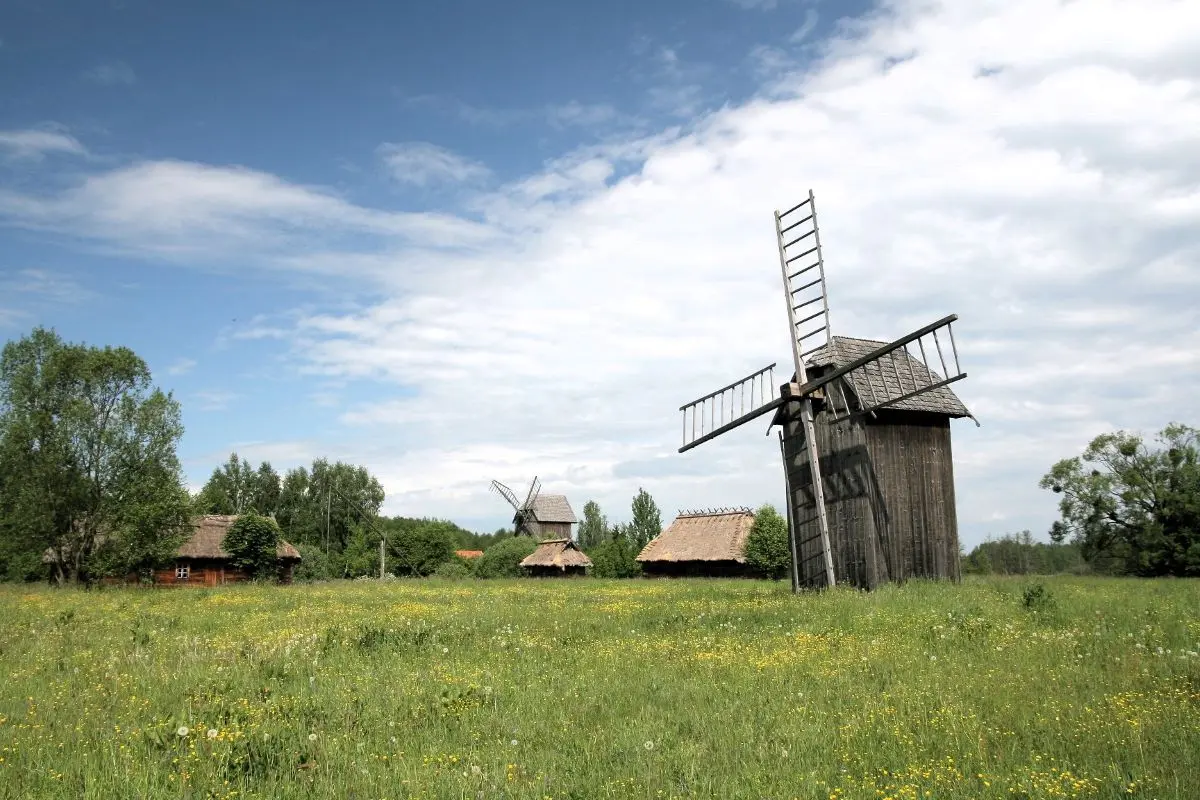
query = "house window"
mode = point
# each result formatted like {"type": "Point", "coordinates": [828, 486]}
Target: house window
{"type": "Point", "coordinates": [182, 571]}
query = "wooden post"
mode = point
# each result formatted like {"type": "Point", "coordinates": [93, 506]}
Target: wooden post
{"type": "Point", "coordinates": [787, 488]}
{"type": "Point", "coordinates": [381, 558]}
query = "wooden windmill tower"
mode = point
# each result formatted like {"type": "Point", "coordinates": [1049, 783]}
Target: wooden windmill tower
{"type": "Point", "coordinates": [541, 515]}
{"type": "Point", "coordinates": [865, 433]}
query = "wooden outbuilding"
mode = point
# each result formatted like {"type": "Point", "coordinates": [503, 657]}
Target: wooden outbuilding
{"type": "Point", "coordinates": [888, 476]}
{"type": "Point", "coordinates": [700, 544]}
{"type": "Point", "coordinates": [556, 558]}
{"type": "Point", "coordinates": [203, 561]}
{"type": "Point", "coordinates": [552, 516]}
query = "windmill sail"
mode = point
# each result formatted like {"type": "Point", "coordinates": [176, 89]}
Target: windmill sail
{"type": "Point", "coordinates": [729, 407]}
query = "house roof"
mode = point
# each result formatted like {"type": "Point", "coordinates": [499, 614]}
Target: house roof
{"type": "Point", "coordinates": [553, 508]}
{"type": "Point", "coordinates": [892, 379]}
{"type": "Point", "coordinates": [210, 533]}
{"type": "Point", "coordinates": [468, 553]}
{"type": "Point", "coordinates": [717, 536]}
{"type": "Point", "coordinates": [561, 553]}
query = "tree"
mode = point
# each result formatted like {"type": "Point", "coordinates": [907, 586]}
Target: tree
{"type": "Point", "coordinates": [616, 557]}
{"type": "Point", "coordinates": [647, 521]}
{"type": "Point", "coordinates": [767, 550]}
{"type": "Point", "coordinates": [321, 506]}
{"type": "Point", "coordinates": [419, 547]}
{"type": "Point", "coordinates": [252, 542]}
{"type": "Point", "coordinates": [234, 488]}
{"type": "Point", "coordinates": [503, 559]}
{"type": "Point", "coordinates": [594, 528]}
{"type": "Point", "coordinates": [88, 468]}
{"type": "Point", "coordinates": [1133, 509]}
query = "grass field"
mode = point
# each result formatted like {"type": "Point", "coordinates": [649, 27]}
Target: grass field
{"type": "Point", "coordinates": [581, 689]}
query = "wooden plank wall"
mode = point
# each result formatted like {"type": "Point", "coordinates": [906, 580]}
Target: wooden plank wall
{"type": "Point", "coordinates": [889, 491]}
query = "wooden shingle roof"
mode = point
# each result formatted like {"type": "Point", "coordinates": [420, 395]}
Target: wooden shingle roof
{"type": "Point", "coordinates": [893, 377]}
{"type": "Point", "coordinates": [553, 508]}
{"type": "Point", "coordinates": [702, 537]}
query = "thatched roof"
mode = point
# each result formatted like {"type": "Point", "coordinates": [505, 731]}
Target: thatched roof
{"type": "Point", "coordinates": [553, 508]}
{"type": "Point", "coordinates": [205, 542]}
{"type": "Point", "coordinates": [561, 553]}
{"type": "Point", "coordinates": [892, 379]}
{"type": "Point", "coordinates": [719, 536]}
{"type": "Point", "coordinates": [210, 533]}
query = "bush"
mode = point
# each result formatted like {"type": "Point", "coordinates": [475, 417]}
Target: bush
{"type": "Point", "coordinates": [1038, 598]}
{"type": "Point", "coordinates": [616, 558]}
{"type": "Point", "coordinates": [767, 550]}
{"type": "Point", "coordinates": [252, 542]}
{"type": "Point", "coordinates": [503, 559]}
{"type": "Point", "coordinates": [453, 571]}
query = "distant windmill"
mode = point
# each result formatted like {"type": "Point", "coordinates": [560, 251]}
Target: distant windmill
{"type": "Point", "coordinates": [541, 515]}
{"type": "Point", "coordinates": [870, 490]}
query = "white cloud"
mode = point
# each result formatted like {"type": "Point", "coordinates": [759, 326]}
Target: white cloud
{"type": "Point", "coordinates": [111, 73]}
{"type": "Point", "coordinates": [214, 399]}
{"type": "Point", "coordinates": [1030, 201]}
{"type": "Point", "coordinates": [33, 284]}
{"type": "Point", "coordinates": [807, 27]}
{"type": "Point", "coordinates": [182, 367]}
{"type": "Point", "coordinates": [33, 144]}
{"type": "Point", "coordinates": [422, 163]}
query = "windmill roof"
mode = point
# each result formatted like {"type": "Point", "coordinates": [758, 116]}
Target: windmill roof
{"type": "Point", "coordinates": [893, 379]}
{"type": "Point", "coordinates": [560, 553]}
{"type": "Point", "coordinates": [553, 508]}
{"type": "Point", "coordinates": [702, 537]}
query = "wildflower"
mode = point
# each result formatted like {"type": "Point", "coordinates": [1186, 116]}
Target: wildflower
{"type": "Point", "coordinates": [445, 650]}
{"type": "Point", "coordinates": [513, 743]}
{"type": "Point", "coordinates": [648, 745]}
{"type": "Point", "coordinates": [183, 730]}
{"type": "Point", "coordinates": [312, 737]}
{"type": "Point", "coordinates": [476, 771]}
{"type": "Point", "coordinates": [212, 733]}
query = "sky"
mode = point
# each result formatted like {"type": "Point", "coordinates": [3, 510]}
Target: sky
{"type": "Point", "coordinates": [456, 242]}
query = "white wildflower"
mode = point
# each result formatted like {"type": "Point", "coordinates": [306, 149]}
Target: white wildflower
{"type": "Point", "coordinates": [183, 730]}
{"type": "Point", "coordinates": [312, 737]}
{"type": "Point", "coordinates": [212, 733]}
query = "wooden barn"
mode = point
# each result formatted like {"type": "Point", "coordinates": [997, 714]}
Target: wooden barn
{"type": "Point", "coordinates": [888, 477]}
{"type": "Point", "coordinates": [700, 544]}
{"type": "Point", "coordinates": [202, 561]}
{"type": "Point", "coordinates": [556, 558]}
{"type": "Point", "coordinates": [552, 517]}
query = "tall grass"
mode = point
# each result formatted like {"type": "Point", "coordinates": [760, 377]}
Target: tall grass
{"type": "Point", "coordinates": [596, 689]}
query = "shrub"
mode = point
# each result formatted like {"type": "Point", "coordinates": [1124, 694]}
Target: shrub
{"type": "Point", "coordinates": [453, 571]}
{"type": "Point", "coordinates": [1038, 598]}
{"type": "Point", "coordinates": [503, 559]}
{"type": "Point", "coordinates": [252, 542]}
{"type": "Point", "coordinates": [767, 550]}
{"type": "Point", "coordinates": [616, 558]}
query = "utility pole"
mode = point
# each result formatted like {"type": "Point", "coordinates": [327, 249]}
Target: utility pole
{"type": "Point", "coordinates": [381, 558]}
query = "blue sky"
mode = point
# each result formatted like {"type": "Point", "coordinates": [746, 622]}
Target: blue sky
{"type": "Point", "coordinates": [453, 243]}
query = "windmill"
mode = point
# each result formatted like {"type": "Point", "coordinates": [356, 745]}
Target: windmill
{"type": "Point", "coordinates": [865, 434]}
{"type": "Point", "coordinates": [525, 519]}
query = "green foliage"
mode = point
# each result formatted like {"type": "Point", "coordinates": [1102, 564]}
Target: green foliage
{"type": "Point", "coordinates": [1133, 509]}
{"type": "Point", "coordinates": [1019, 554]}
{"type": "Point", "coordinates": [419, 546]}
{"type": "Point", "coordinates": [252, 542]}
{"type": "Point", "coordinates": [647, 520]}
{"type": "Point", "coordinates": [616, 557]}
{"type": "Point", "coordinates": [455, 570]}
{"type": "Point", "coordinates": [593, 530]}
{"type": "Point", "coordinates": [88, 467]}
{"type": "Point", "coordinates": [503, 559]}
{"type": "Point", "coordinates": [767, 549]}
{"type": "Point", "coordinates": [1038, 598]}
{"type": "Point", "coordinates": [315, 565]}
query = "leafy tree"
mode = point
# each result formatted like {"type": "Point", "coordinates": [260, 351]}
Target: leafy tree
{"type": "Point", "coordinates": [1131, 508]}
{"type": "Point", "coordinates": [321, 506]}
{"type": "Point", "coordinates": [647, 521]}
{"type": "Point", "coordinates": [1018, 554]}
{"type": "Point", "coordinates": [267, 489]}
{"type": "Point", "coordinates": [88, 469]}
{"type": "Point", "coordinates": [503, 559]}
{"type": "Point", "coordinates": [594, 528]}
{"type": "Point", "coordinates": [419, 547]}
{"type": "Point", "coordinates": [767, 549]}
{"type": "Point", "coordinates": [252, 543]}
{"type": "Point", "coordinates": [454, 570]}
{"type": "Point", "coordinates": [234, 488]}
{"type": "Point", "coordinates": [616, 557]}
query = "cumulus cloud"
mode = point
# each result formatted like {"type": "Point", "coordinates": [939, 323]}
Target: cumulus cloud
{"type": "Point", "coordinates": [1029, 165]}
{"type": "Point", "coordinates": [423, 164]}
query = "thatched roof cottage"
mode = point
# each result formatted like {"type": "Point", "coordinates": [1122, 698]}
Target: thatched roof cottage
{"type": "Point", "coordinates": [700, 544]}
{"type": "Point", "coordinates": [202, 561]}
{"type": "Point", "coordinates": [556, 557]}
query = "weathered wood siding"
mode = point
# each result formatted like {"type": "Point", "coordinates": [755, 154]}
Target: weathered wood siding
{"type": "Point", "coordinates": [889, 492]}
{"type": "Point", "coordinates": [554, 530]}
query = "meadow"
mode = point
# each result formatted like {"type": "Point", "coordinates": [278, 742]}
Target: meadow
{"type": "Point", "coordinates": [603, 689]}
